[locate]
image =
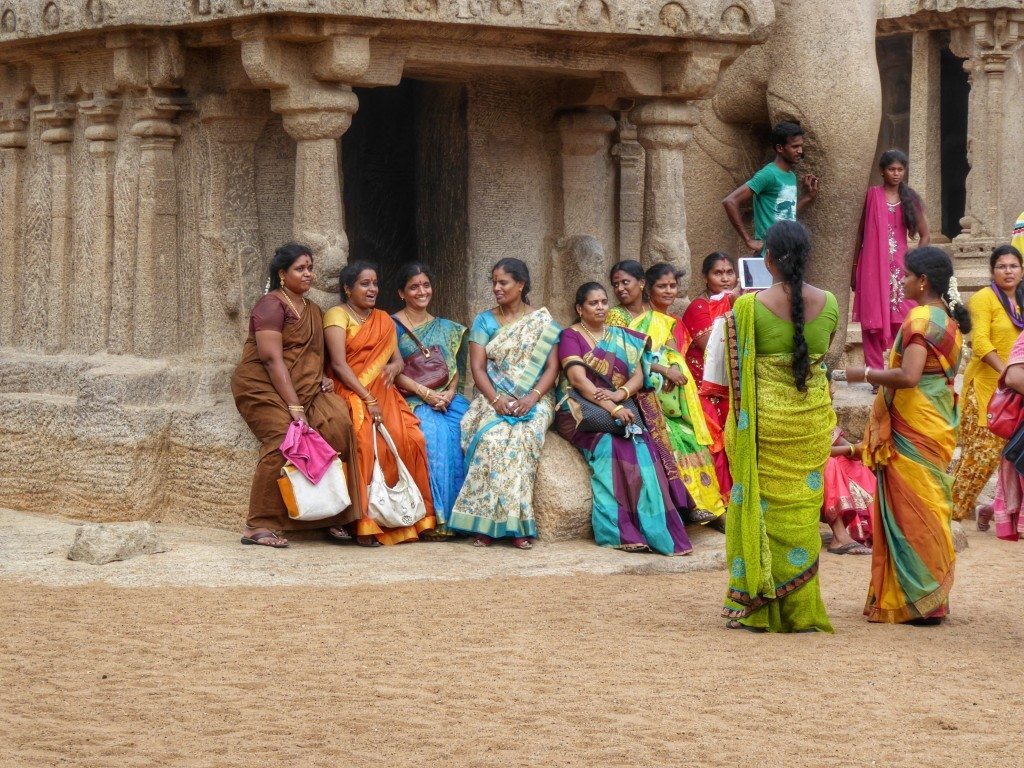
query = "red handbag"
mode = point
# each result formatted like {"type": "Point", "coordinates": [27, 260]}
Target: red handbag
{"type": "Point", "coordinates": [1005, 411]}
{"type": "Point", "coordinates": [427, 365]}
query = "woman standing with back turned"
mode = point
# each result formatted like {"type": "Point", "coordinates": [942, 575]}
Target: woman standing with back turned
{"type": "Point", "coordinates": [778, 437]}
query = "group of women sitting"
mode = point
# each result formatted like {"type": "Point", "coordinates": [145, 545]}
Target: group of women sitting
{"type": "Point", "coordinates": [658, 460]}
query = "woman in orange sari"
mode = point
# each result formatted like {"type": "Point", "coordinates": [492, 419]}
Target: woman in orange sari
{"type": "Point", "coordinates": [362, 347]}
{"type": "Point", "coordinates": [910, 441]}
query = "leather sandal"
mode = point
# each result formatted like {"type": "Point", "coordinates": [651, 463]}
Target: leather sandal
{"type": "Point", "coordinates": [265, 538]}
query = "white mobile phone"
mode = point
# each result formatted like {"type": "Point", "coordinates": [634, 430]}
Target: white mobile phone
{"type": "Point", "coordinates": [754, 275]}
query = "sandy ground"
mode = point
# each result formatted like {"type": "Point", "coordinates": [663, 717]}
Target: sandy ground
{"type": "Point", "coordinates": [589, 669]}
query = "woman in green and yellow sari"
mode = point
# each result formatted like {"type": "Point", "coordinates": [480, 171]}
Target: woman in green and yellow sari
{"type": "Point", "coordinates": [909, 443]}
{"type": "Point", "coordinates": [514, 362]}
{"type": "Point", "coordinates": [778, 436]}
{"type": "Point", "coordinates": [679, 421]}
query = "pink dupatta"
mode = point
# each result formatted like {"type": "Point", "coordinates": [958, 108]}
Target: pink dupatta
{"type": "Point", "coordinates": [1009, 499]}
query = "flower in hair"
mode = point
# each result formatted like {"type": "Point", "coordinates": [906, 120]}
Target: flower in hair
{"type": "Point", "coordinates": [266, 287]}
{"type": "Point", "coordinates": [953, 293]}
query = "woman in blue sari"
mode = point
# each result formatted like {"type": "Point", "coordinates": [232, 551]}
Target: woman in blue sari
{"type": "Point", "coordinates": [514, 363]}
{"type": "Point", "coordinates": [633, 499]}
{"type": "Point", "coordinates": [439, 410]}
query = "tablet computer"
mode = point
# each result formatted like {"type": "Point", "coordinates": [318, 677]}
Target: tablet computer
{"type": "Point", "coordinates": [754, 275]}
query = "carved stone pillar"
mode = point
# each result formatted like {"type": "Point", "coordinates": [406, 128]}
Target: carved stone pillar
{"type": "Point", "coordinates": [630, 156]}
{"type": "Point", "coordinates": [925, 128]}
{"type": "Point", "coordinates": [995, 37]}
{"type": "Point", "coordinates": [232, 264]}
{"type": "Point", "coordinates": [13, 140]}
{"type": "Point", "coordinates": [664, 128]}
{"type": "Point", "coordinates": [588, 196]}
{"type": "Point", "coordinates": [155, 301]}
{"type": "Point", "coordinates": [93, 294]}
{"type": "Point", "coordinates": [58, 134]}
{"type": "Point", "coordinates": [319, 212]}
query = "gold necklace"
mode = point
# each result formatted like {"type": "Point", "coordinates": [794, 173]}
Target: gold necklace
{"type": "Point", "coordinates": [356, 315]}
{"type": "Point", "coordinates": [285, 294]}
{"type": "Point", "coordinates": [408, 319]}
{"type": "Point", "coordinates": [643, 308]}
{"type": "Point", "coordinates": [504, 319]}
{"type": "Point", "coordinates": [593, 340]}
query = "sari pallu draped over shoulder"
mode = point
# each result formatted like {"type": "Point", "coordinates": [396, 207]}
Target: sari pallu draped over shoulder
{"type": "Point", "coordinates": [368, 348]}
{"type": "Point", "coordinates": [502, 452]}
{"type": "Point", "coordinates": [441, 429]}
{"type": "Point", "coordinates": [266, 413]}
{"type": "Point", "coordinates": [909, 444]}
{"type": "Point", "coordinates": [633, 507]}
{"type": "Point", "coordinates": [677, 416]}
{"type": "Point", "coordinates": [778, 440]}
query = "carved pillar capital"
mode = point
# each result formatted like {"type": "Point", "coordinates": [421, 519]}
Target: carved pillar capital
{"type": "Point", "coordinates": [100, 113]}
{"type": "Point", "coordinates": [59, 118]}
{"type": "Point", "coordinates": [585, 132]}
{"type": "Point", "coordinates": [995, 37]}
{"type": "Point", "coordinates": [312, 122]}
{"type": "Point", "coordinates": [14, 128]}
{"type": "Point", "coordinates": [665, 124]}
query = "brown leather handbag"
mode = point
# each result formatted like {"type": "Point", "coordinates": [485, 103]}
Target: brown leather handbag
{"type": "Point", "coordinates": [427, 365]}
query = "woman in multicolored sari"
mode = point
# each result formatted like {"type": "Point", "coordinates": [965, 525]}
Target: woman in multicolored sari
{"type": "Point", "coordinates": [778, 437]}
{"type": "Point", "coordinates": [673, 408]}
{"type": "Point", "coordinates": [514, 362]}
{"type": "Point", "coordinates": [1009, 503]}
{"type": "Point", "coordinates": [440, 410]}
{"type": "Point", "coordinates": [909, 443]}
{"type": "Point", "coordinates": [633, 507]}
{"type": "Point", "coordinates": [362, 346]}
{"type": "Point", "coordinates": [997, 318]}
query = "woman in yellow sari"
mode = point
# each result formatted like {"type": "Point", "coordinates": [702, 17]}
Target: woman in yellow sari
{"type": "Point", "coordinates": [364, 361]}
{"type": "Point", "coordinates": [909, 443]}
{"type": "Point", "coordinates": [679, 418]}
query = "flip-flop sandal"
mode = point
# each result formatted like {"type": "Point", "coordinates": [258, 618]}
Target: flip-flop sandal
{"type": "Point", "coordinates": [482, 541]}
{"type": "Point", "coordinates": [853, 548]}
{"type": "Point", "coordinates": [984, 513]}
{"type": "Point", "coordinates": [368, 541]}
{"type": "Point", "coordinates": [700, 516]}
{"type": "Point", "coordinates": [522, 543]}
{"type": "Point", "coordinates": [265, 539]}
{"type": "Point", "coordinates": [335, 533]}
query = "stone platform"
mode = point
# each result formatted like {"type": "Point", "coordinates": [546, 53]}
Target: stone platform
{"type": "Point", "coordinates": [33, 549]}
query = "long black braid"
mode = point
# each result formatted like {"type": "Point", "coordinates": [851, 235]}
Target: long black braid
{"type": "Point", "coordinates": [789, 244]}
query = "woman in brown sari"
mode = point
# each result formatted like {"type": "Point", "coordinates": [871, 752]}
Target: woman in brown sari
{"type": "Point", "coordinates": [280, 380]}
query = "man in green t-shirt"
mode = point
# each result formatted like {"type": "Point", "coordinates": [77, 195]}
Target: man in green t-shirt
{"type": "Point", "coordinates": [773, 189]}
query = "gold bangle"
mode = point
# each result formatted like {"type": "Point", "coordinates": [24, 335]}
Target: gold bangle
{"type": "Point", "coordinates": [372, 401]}
{"type": "Point", "coordinates": [625, 390]}
{"type": "Point", "coordinates": [497, 397]}
{"type": "Point", "coordinates": [539, 393]}
{"type": "Point", "coordinates": [866, 372]}
{"type": "Point", "coordinates": [296, 408]}
{"type": "Point", "coordinates": [617, 408]}
{"type": "Point", "coordinates": [853, 450]}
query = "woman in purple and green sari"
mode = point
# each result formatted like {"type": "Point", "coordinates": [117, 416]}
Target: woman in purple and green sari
{"type": "Point", "coordinates": [633, 490]}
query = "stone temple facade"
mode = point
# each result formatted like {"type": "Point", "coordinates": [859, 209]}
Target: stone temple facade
{"type": "Point", "coordinates": [154, 152]}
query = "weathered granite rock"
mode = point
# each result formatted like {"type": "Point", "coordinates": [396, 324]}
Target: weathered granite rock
{"type": "Point", "coordinates": [104, 543]}
{"type": "Point", "coordinates": [562, 498]}
{"type": "Point", "coordinates": [960, 542]}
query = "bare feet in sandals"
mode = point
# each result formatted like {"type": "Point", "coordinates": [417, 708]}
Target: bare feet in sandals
{"type": "Point", "coordinates": [263, 537]}
{"type": "Point", "coordinates": [522, 542]}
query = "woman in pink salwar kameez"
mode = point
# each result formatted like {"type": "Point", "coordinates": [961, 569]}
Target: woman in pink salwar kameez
{"type": "Point", "coordinates": [892, 212]}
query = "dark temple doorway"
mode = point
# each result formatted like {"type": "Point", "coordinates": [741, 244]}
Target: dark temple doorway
{"type": "Point", "coordinates": [955, 91]}
{"type": "Point", "coordinates": [404, 164]}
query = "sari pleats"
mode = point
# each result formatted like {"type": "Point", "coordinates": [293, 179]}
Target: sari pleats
{"type": "Point", "coordinates": [909, 444]}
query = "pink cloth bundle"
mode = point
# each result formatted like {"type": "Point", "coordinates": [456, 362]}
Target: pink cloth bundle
{"type": "Point", "coordinates": [307, 450]}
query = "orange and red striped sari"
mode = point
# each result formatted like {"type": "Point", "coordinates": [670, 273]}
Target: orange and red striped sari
{"type": "Point", "coordinates": [368, 348]}
{"type": "Point", "coordinates": [909, 444]}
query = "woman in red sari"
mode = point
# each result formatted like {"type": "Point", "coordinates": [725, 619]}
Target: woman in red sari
{"type": "Point", "coordinates": [364, 361]}
{"type": "Point", "coordinates": [719, 270]}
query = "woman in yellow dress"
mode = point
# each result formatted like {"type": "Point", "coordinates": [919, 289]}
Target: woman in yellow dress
{"type": "Point", "coordinates": [997, 319]}
{"type": "Point", "coordinates": [680, 426]}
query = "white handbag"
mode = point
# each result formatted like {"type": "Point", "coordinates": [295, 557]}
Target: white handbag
{"type": "Point", "coordinates": [306, 501]}
{"type": "Point", "coordinates": [401, 505]}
